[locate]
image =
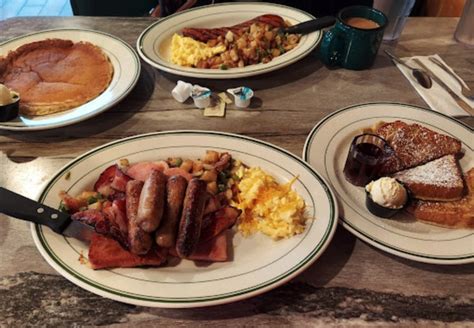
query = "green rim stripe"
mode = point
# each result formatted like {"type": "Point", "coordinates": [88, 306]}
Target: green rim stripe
{"type": "Point", "coordinates": [117, 292]}
{"type": "Point", "coordinates": [306, 157]}
{"type": "Point", "coordinates": [330, 228]}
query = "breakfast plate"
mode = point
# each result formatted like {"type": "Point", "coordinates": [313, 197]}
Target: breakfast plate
{"type": "Point", "coordinates": [154, 43]}
{"type": "Point", "coordinates": [125, 62]}
{"type": "Point", "coordinates": [326, 150]}
{"type": "Point", "coordinates": [258, 263]}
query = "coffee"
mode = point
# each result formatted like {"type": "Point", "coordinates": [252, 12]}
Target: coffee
{"type": "Point", "coordinates": [361, 22]}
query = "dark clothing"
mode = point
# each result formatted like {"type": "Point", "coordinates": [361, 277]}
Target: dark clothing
{"type": "Point", "coordinates": [112, 7]}
{"type": "Point", "coordinates": [321, 8]}
{"type": "Point", "coordinates": [141, 7]}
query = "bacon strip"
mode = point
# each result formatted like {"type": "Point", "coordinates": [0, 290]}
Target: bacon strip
{"type": "Point", "coordinates": [103, 223]}
{"type": "Point", "coordinates": [206, 34]}
{"type": "Point", "coordinates": [111, 180]}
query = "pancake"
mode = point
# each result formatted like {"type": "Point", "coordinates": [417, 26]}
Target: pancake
{"type": "Point", "coordinates": [54, 75]}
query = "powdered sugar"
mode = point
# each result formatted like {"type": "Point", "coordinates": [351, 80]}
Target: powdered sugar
{"type": "Point", "coordinates": [442, 172]}
{"type": "Point", "coordinates": [414, 144]}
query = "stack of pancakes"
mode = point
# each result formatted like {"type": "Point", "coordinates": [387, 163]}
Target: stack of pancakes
{"type": "Point", "coordinates": [426, 162]}
{"type": "Point", "coordinates": [54, 75]}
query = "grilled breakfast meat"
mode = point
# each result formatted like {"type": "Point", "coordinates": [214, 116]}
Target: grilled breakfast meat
{"type": "Point", "coordinates": [151, 204]}
{"type": "Point", "coordinates": [125, 201]}
{"type": "Point", "coordinates": [206, 34]}
{"type": "Point", "coordinates": [255, 41]}
{"type": "Point", "coordinates": [455, 214]}
{"type": "Point", "coordinates": [414, 145]}
{"type": "Point", "coordinates": [175, 190]}
{"type": "Point", "coordinates": [107, 253]}
{"type": "Point", "coordinates": [438, 180]}
{"type": "Point", "coordinates": [191, 218]}
{"type": "Point", "coordinates": [103, 224]}
{"type": "Point", "coordinates": [140, 241]}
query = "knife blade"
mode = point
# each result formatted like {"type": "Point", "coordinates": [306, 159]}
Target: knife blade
{"type": "Point", "coordinates": [20, 207]}
{"type": "Point", "coordinates": [464, 105]}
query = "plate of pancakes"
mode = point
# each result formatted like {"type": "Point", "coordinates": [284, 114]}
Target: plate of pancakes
{"type": "Point", "coordinates": [433, 159]}
{"type": "Point", "coordinates": [65, 76]}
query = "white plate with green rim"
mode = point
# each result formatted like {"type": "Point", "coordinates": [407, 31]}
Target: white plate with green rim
{"type": "Point", "coordinates": [326, 150]}
{"type": "Point", "coordinates": [125, 62]}
{"type": "Point", "coordinates": [259, 263]}
{"type": "Point", "coordinates": [153, 45]}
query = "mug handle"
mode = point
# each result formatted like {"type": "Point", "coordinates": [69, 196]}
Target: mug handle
{"type": "Point", "coordinates": [332, 47]}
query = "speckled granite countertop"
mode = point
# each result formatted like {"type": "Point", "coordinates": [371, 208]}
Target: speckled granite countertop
{"type": "Point", "coordinates": [352, 284]}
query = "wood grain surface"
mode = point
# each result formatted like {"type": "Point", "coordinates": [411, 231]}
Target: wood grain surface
{"type": "Point", "coordinates": [352, 284]}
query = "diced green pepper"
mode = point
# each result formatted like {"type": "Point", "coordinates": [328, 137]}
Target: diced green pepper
{"type": "Point", "coordinates": [63, 207]}
{"type": "Point", "coordinates": [175, 162]}
{"type": "Point", "coordinates": [92, 200]}
{"type": "Point", "coordinates": [221, 187]}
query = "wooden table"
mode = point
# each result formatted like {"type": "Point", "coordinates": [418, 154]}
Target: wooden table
{"type": "Point", "coordinates": [351, 284]}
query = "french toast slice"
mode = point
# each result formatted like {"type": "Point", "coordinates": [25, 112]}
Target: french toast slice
{"type": "Point", "coordinates": [456, 214]}
{"type": "Point", "coordinates": [414, 145]}
{"type": "Point", "coordinates": [438, 180]}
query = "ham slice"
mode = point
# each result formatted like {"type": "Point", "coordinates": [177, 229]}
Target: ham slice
{"type": "Point", "coordinates": [141, 170]}
{"type": "Point", "coordinates": [178, 171]}
{"type": "Point", "coordinates": [107, 253]}
{"type": "Point", "coordinates": [216, 222]}
{"type": "Point", "coordinates": [213, 250]}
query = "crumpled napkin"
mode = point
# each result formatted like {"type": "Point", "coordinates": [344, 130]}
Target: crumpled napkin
{"type": "Point", "coordinates": [436, 97]}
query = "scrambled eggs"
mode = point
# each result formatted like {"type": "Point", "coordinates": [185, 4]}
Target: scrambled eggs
{"type": "Point", "coordinates": [267, 206]}
{"type": "Point", "coordinates": [186, 51]}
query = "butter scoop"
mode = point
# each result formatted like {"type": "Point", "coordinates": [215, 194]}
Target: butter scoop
{"type": "Point", "coordinates": [7, 96]}
{"type": "Point", "coordinates": [9, 104]}
{"type": "Point", "coordinates": [387, 192]}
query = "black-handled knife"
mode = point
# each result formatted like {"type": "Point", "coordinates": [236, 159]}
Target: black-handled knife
{"type": "Point", "coordinates": [23, 208]}
{"type": "Point", "coordinates": [309, 26]}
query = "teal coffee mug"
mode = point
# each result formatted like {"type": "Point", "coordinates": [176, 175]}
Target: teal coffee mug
{"type": "Point", "coordinates": [354, 41]}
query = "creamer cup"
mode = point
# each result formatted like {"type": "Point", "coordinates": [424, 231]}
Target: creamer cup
{"type": "Point", "coordinates": [201, 96]}
{"type": "Point", "coordinates": [242, 96]}
{"type": "Point", "coordinates": [182, 91]}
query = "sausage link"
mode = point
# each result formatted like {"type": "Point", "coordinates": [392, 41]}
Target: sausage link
{"type": "Point", "coordinates": [139, 240]}
{"type": "Point", "coordinates": [175, 190]}
{"type": "Point", "coordinates": [191, 218]}
{"type": "Point", "coordinates": [152, 201]}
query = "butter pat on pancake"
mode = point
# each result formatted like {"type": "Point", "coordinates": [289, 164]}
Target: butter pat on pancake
{"type": "Point", "coordinates": [54, 75]}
